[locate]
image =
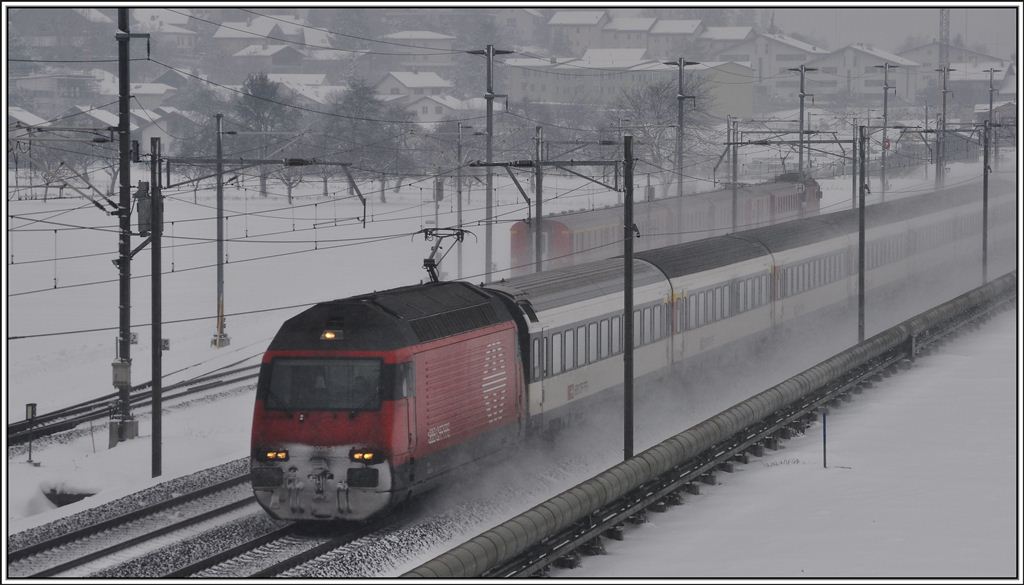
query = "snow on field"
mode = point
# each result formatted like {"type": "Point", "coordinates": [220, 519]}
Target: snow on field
{"type": "Point", "coordinates": [921, 482]}
{"type": "Point", "coordinates": [62, 328]}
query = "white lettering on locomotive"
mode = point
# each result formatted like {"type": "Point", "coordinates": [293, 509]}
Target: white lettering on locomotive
{"type": "Point", "coordinates": [439, 433]}
{"type": "Point", "coordinates": [494, 386]}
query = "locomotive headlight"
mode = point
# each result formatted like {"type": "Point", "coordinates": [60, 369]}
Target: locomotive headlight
{"type": "Point", "coordinates": [331, 334]}
{"type": "Point", "coordinates": [363, 455]}
{"type": "Point", "coordinates": [271, 455]}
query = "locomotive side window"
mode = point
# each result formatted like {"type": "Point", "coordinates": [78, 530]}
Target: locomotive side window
{"type": "Point", "coordinates": [324, 384]}
{"type": "Point", "coordinates": [404, 380]}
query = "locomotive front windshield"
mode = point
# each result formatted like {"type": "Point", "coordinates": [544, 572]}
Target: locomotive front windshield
{"type": "Point", "coordinates": [324, 384]}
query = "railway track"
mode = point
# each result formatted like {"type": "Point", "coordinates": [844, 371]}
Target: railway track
{"type": "Point", "coordinates": [92, 548]}
{"type": "Point", "coordinates": [99, 408]}
{"type": "Point", "coordinates": [279, 552]}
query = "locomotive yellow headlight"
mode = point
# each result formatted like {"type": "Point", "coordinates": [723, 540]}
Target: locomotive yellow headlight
{"type": "Point", "coordinates": [362, 455]}
{"type": "Point", "coordinates": [331, 334]}
{"type": "Point", "coordinates": [281, 455]}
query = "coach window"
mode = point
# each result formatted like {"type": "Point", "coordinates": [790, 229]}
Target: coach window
{"type": "Point", "coordinates": [581, 346]}
{"type": "Point", "coordinates": [658, 320]}
{"type": "Point", "coordinates": [691, 311]}
{"type": "Point", "coordinates": [570, 348]}
{"type": "Point", "coordinates": [616, 335]}
{"type": "Point", "coordinates": [725, 301]}
{"type": "Point", "coordinates": [556, 354]}
{"type": "Point", "coordinates": [592, 341]}
{"type": "Point", "coordinates": [604, 338]}
{"type": "Point", "coordinates": [537, 359]}
{"type": "Point", "coordinates": [547, 358]}
{"type": "Point", "coordinates": [638, 326]}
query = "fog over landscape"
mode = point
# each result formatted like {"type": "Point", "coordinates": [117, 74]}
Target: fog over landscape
{"type": "Point", "coordinates": [312, 153]}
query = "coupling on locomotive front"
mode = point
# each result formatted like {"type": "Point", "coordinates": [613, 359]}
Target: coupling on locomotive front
{"type": "Point", "coordinates": [363, 401]}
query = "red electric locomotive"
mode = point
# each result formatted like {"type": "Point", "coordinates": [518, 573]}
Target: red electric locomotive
{"type": "Point", "coordinates": [362, 402]}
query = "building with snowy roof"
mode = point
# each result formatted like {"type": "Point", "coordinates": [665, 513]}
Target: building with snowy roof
{"type": "Point", "coordinates": [855, 73]}
{"type": "Point", "coordinates": [574, 31]}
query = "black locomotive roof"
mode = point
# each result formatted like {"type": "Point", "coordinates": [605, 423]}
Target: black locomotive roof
{"type": "Point", "coordinates": [555, 288]}
{"type": "Point", "coordinates": [393, 318]}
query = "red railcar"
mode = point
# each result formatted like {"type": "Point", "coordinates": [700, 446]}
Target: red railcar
{"type": "Point", "coordinates": [365, 401]}
{"type": "Point", "coordinates": [575, 237]}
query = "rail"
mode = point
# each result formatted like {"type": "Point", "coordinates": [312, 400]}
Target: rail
{"type": "Point", "coordinates": [67, 418]}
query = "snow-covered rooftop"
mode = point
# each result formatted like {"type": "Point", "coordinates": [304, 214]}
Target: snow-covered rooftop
{"type": "Point", "coordinates": [418, 35]}
{"type": "Point", "coordinates": [675, 27]}
{"type": "Point", "coordinates": [263, 50]}
{"type": "Point", "coordinates": [726, 33]}
{"type": "Point", "coordinates": [298, 78]}
{"type": "Point", "coordinates": [976, 71]}
{"type": "Point", "coordinates": [422, 79]}
{"type": "Point", "coordinates": [630, 24]}
{"type": "Point", "coordinates": [150, 88]}
{"type": "Point", "coordinates": [883, 55]}
{"type": "Point", "coordinates": [576, 17]}
{"type": "Point", "coordinates": [796, 43]}
{"type": "Point", "coordinates": [24, 116]}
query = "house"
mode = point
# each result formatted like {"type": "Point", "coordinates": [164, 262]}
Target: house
{"type": "Point", "coordinates": [267, 59]}
{"type": "Point", "coordinates": [429, 109]}
{"type": "Point", "coordinates": [151, 95]}
{"type": "Point", "coordinates": [233, 37]}
{"type": "Point", "coordinates": [856, 72]}
{"type": "Point", "coordinates": [168, 30]}
{"type": "Point", "coordinates": [308, 90]}
{"type": "Point", "coordinates": [575, 31]}
{"type": "Point", "coordinates": [927, 55]}
{"type": "Point", "coordinates": [412, 85]}
{"type": "Point", "coordinates": [174, 78]}
{"type": "Point", "coordinates": [610, 72]}
{"type": "Point", "coordinates": [525, 25]}
{"type": "Point", "coordinates": [771, 56]}
{"type": "Point", "coordinates": [54, 90]}
{"type": "Point", "coordinates": [970, 81]}
{"type": "Point", "coordinates": [18, 121]}
{"type": "Point", "coordinates": [417, 50]}
{"type": "Point", "coordinates": [669, 38]}
{"type": "Point", "coordinates": [60, 28]}
{"type": "Point", "coordinates": [626, 33]}
{"type": "Point", "coordinates": [1001, 110]}
{"type": "Point", "coordinates": [714, 39]}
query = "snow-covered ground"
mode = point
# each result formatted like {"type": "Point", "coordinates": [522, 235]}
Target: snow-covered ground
{"type": "Point", "coordinates": [281, 258]}
{"type": "Point", "coordinates": [922, 481]}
